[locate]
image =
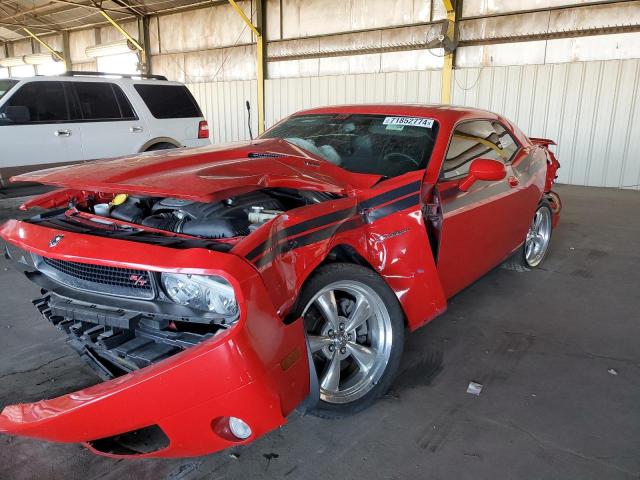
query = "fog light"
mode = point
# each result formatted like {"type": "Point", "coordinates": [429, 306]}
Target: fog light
{"type": "Point", "coordinates": [239, 428]}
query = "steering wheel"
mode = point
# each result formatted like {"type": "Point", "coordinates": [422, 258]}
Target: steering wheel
{"type": "Point", "coordinates": [401, 156]}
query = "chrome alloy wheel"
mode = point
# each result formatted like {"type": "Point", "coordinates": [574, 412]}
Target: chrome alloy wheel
{"type": "Point", "coordinates": [350, 336]}
{"type": "Point", "coordinates": [538, 237]}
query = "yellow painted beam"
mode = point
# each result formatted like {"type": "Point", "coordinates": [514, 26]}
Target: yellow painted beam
{"type": "Point", "coordinates": [447, 75]}
{"type": "Point", "coordinates": [448, 5]}
{"type": "Point", "coordinates": [43, 43]}
{"type": "Point", "coordinates": [447, 67]}
{"type": "Point", "coordinates": [246, 19]}
{"type": "Point", "coordinates": [121, 30]}
{"type": "Point", "coordinates": [259, 63]}
{"type": "Point", "coordinates": [260, 77]}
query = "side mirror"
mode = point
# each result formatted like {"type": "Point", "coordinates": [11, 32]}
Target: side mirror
{"type": "Point", "coordinates": [483, 169]}
{"type": "Point", "coordinates": [18, 114]}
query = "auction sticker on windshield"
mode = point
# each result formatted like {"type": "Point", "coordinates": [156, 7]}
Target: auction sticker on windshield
{"type": "Point", "coordinates": [409, 121]}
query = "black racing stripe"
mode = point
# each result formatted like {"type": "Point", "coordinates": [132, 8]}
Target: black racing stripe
{"type": "Point", "coordinates": [328, 232]}
{"type": "Point", "coordinates": [301, 227]}
{"type": "Point", "coordinates": [390, 195]}
{"type": "Point", "coordinates": [331, 218]}
{"type": "Point", "coordinates": [308, 239]}
{"type": "Point", "coordinates": [394, 207]}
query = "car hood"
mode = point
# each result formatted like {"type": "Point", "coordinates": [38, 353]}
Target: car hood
{"type": "Point", "coordinates": [207, 173]}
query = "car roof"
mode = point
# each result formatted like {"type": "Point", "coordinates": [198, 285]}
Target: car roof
{"type": "Point", "coordinates": [449, 113]}
{"type": "Point", "coordinates": [95, 78]}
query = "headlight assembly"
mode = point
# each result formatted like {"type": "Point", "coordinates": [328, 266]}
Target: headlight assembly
{"type": "Point", "coordinates": [202, 292]}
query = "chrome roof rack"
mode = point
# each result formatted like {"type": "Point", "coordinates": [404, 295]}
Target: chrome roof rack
{"type": "Point", "coordinates": [79, 73]}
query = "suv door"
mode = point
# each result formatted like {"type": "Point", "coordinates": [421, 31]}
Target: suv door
{"type": "Point", "coordinates": [110, 126]}
{"type": "Point", "coordinates": [35, 127]}
{"type": "Point", "coordinates": [482, 226]}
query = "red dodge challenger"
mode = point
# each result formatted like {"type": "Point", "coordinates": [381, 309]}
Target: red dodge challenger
{"type": "Point", "coordinates": [217, 289]}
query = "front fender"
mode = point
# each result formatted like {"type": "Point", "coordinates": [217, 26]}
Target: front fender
{"type": "Point", "coordinates": [386, 228]}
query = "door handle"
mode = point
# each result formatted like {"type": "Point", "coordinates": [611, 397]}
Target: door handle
{"type": "Point", "coordinates": [135, 129]}
{"type": "Point", "coordinates": [65, 132]}
{"type": "Point", "coordinates": [513, 182]}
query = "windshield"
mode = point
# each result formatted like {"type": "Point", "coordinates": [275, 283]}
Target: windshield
{"type": "Point", "coordinates": [378, 144]}
{"type": "Point", "coordinates": [5, 86]}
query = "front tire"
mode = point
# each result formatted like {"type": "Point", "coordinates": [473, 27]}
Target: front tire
{"type": "Point", "coordinates": [536, 244]}
{"type": "Point", "coordinates": [355, 328]}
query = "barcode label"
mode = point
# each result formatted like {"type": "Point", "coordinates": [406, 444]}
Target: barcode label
{"type": "Point", "coordinates": [409, 121]}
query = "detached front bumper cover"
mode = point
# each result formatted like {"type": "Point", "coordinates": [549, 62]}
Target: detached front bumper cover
{"type": "Point", "coordinates": [256, 371]}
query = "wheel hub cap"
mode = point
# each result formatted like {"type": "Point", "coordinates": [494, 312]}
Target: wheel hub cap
{"type": "Point", "coordinates": [538, 236]}
{"type": "Point", "coordinates": [349, 332]}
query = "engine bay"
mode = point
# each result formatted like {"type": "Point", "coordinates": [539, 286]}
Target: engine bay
{"type": "Point", "coordinates": [232, 217]}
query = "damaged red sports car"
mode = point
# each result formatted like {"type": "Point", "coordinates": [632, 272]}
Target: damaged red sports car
{"type": "Point", "coordinates": [217, 289]}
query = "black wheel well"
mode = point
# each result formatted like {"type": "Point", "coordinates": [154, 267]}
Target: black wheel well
{"type": "Point", "coordinates": [346, 254]}
{"type": "Point", "coordinates": [164, 145]}
{"type": "Point", "coordinates": [339, 254]}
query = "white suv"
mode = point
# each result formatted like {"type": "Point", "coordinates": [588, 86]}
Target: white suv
{"type": "Point", "coordinates": [50, 121]}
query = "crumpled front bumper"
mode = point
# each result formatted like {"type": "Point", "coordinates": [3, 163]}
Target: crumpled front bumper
{"type": "Point", "coordinates": [256, 371]}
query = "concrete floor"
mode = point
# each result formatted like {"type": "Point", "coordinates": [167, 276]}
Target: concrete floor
{"type": "Point", "coordinates": [542, 344]}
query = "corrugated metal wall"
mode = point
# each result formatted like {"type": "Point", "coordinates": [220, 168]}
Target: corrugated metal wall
{"type": "Point", "coordinates": [223, 105]}
{"type": "Point", "coordinates": [592, 109]}
{"type": "Point", "coordinates": [287, 95]}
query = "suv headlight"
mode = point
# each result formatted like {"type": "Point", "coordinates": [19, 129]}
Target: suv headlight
{"type": "Point", "coordinates": [202, 292]}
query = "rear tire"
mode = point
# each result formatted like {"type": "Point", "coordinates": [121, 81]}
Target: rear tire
{"type": "Point", "coordinates": [160, 146]}
{"type": "Point", "coordinates": [536, 244]}
{"type": "Point", "coordinates": [355, 328]}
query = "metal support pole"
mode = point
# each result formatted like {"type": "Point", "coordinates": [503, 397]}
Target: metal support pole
{"type": "Point", "coordinates": [260, 58]}
{"type": "Point", "coordinates": [447, 67]}
{"type": "Point", "coordinates": [66, 51]}
{"type": "Point", "coordinates": [143, 35]}
{"type": "Point", "coordinates": [43, 43]}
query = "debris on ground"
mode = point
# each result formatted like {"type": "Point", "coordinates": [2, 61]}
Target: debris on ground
{"type": "Point", "coordinates": [613, 371]}
{"type": "Point", "coordinates": [474, 388]}
{"type": "Point", "coordinates": [234, 455]}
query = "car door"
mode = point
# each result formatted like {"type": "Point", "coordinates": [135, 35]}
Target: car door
{"type": "Point", "coordinates": [482, 226]}
{"type": "Point", "coordinates": [36, 128]}
{"type": "Point", "coordinates": [110, 126]}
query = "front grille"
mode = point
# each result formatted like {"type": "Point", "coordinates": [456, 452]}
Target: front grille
{"type": "Point", "coordinates": [123, 282]}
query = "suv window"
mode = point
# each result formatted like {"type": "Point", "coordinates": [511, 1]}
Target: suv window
{"type": "Point", "coordinates": [5, 86]}
{"type": "Point", "coordinates": [36, 102]}
{"type": "Point", "coordinates": [102, 101]}
{"type": "Point", "coordinates": [477, 139]}
{"type": "Point", "coordinates": [169, 101]}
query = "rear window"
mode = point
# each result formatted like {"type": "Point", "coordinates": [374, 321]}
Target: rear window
{"type": "Point", "coordinates": [5, 86]}
{"type": "Point", "coordinates": [102, 101]}
{"type": "Point", "coordinates": [169, 101]}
